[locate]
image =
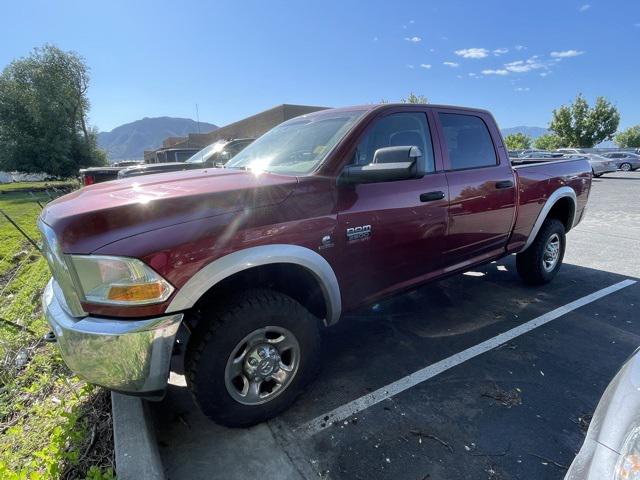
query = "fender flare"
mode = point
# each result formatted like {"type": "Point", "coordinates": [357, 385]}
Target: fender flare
{"type": "Point", "coordinates": [235, 262]}
{"type": "Point", "coordinates": [561, 192]}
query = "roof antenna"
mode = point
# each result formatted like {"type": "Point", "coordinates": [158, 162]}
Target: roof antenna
{"type": "Point", "coordinates": [198, 117]}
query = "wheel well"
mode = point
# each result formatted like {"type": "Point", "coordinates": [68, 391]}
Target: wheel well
{"type": "Point", "coordinates": [288, 278]}
{"type": "Point", "coordinates": [563, 210]}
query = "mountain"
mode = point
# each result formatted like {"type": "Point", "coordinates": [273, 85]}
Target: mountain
{"type": "Point", "coordinates": [533, 132]}
{"type": "Point", "coordinates": [129, 141]}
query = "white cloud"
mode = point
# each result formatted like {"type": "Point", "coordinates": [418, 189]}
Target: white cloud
{"type": "Point", "coordinates": [414, 39]}
{"type": "Point", "coordinates": [451, 64]}
{"type": "Point", "coordinates": [522, 89]}
{"type": "Point", "coordinates": [426, 65]}
{"type": "Point", "coordinates": [375, 39]}
{"type": "Point", "coordinates": [410, 66]}
{"type": "Point", "coordinates": [523, 66]}
{"type": "Point", "coordinates": [566, 53]}
{"type": "Point", "coordinates": [471, 74]}
{"type": "Point", "coordinates": [520, 47]}
{"type": "Point", "coordinates": [412, 21]}
{"type": "Point", "coordinates": [500, 51]}
{"type": "Point", "coordinates": [584, 7]}
{"type": "Point", "coordinates": [432, 50]}
{"type": "Point", "coordinates": [500, 71]}
{"type": "Point", "coordinates": [535, 62]}
{"type": "Point", "coordinates": [472, 52]}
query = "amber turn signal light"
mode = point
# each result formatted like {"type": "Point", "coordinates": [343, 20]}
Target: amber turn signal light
{"type": "Point", "coordinates": [136, 292]}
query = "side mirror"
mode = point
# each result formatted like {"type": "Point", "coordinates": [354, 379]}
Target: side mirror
{"type": "Point", "coordinates": [397, 154]}
{"type": "Point", "coordinates": [389, 164]}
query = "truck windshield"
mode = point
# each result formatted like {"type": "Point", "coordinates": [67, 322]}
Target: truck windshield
{"type": "Point", "coordinates": [297, 146]}
{"type": "Point", "coordinates": [206, 153]}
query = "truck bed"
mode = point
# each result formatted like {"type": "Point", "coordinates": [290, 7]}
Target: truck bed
{"type": "Point", "coordinates": [536, 178]}
{"type": "Point", "coordinates": [525, 162]}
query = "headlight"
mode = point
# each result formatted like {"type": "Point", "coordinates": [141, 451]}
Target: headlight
{"type": "Point", "coordinates": [628, 465]}
{"type": "Point", "coordinates": [118, 280]}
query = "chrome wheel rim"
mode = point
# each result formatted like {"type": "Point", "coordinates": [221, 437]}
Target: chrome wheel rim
{"type": "Point", "coordinates": [625, 167]}
{"type": "Point", "coordinates": [551, 253]}
{"type": "Point", "coordinates": [262, 365]}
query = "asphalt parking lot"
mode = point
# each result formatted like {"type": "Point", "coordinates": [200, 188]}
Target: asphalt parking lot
{"type": "Point", "coordinates": [479, 406]}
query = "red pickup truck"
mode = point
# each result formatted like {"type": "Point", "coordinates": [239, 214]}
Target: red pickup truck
{"type": "Point", "coordinates": [322, 214]}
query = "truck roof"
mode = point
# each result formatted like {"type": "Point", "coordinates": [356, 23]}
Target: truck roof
{"type": "Point", "coordinates": [384, 106]}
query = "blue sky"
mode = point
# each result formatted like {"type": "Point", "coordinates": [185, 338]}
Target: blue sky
{"type": "Point", "coordinates": [235, 58]}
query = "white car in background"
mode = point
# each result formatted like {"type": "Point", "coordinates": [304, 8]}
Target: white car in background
{"type": "Point", "coordinates": [611, 449]}
{"type": "Point", "coordinates": [572, 151]}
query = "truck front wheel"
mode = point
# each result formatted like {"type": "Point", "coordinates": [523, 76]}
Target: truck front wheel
{"type": "Point", "coordinates": [539, 263]}
{"type": "Point", "coordinates": [249, 359]}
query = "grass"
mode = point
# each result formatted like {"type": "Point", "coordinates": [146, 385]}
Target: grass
{"type": "Point", "coordinates": [52, 424]}
{"type": "Point", "coordinates": [38, 186]}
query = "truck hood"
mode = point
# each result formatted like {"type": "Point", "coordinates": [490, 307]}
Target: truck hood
{"type": "Point", "coordinates": [94, 216]}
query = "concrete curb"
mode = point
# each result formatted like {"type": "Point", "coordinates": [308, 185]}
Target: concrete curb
{"type": "Point", "coordinates": [134, 438]}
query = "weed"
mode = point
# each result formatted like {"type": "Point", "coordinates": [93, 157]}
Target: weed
{"type": "Point", "coordinates": [52, 424]}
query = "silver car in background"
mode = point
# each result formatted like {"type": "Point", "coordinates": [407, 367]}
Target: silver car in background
{"type": "Point", "coordinates": [611, 449]}
{"type": "Point", "coordinates": [599, 164]}
{"type": "Point", "coordinates": [626, 161]}
{"type": "Point", "coordinates": [541, 154]}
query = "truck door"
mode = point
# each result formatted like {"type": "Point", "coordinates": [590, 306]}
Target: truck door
{"type": "Point", "coordinates": [481, 186]}
{"type": "Point", "coordinates": [390, 233]}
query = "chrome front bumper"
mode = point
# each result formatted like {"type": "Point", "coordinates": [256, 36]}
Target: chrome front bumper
{"type": "Point", "coordinates": [130, 356]}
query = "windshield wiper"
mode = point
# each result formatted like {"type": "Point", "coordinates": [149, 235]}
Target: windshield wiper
{"type": "Point", "coordinates": [237, 167]}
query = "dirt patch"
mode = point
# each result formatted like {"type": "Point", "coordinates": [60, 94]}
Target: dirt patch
{"type": "Point", "coordinates": [506, 398]}
{"type": "Point", "coordinates": [583, 421]}
{"type": "Point", "coordinates": [96, 448]}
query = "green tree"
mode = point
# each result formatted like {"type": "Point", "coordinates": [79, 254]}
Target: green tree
{"type": "Point", "coordinates": [579, 125]}
{"type": "Point", "coordinates": [629, 138]}
{"type": "Point", "coordinates": [548, 141]}
{"type": "Point", "coordinates": [43, 114]}
{"type": "Point", "coordinates": [411, 98]}
{"type": "Point", "coordinates": [517, 141]}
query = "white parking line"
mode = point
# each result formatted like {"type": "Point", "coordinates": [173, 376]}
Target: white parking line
{"type": "Point", "coordinates": [345, 411]}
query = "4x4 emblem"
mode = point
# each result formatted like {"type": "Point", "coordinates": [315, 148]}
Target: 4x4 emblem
{"type": "Point", "coordinates": [356, 233]}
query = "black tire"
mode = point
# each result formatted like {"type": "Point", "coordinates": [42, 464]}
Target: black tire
{"type": "Point", "coordinates": [219, 332]}
{"type": "Point", "coordinates": [530, 263]}
{"type": "Point", "coordinates": [625, 167]}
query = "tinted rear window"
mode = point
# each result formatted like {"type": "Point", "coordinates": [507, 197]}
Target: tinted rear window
{"type": "Point", "coordinates": [468, 141]}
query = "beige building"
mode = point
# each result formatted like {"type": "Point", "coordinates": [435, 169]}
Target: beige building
{"type": "Point", "coordinates": [177, 149]}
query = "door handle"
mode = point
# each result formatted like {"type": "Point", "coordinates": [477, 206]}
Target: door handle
{"type": "Point", "coordinates": [504, 184]}
{"type": "Point", "coordinates": [431, 196]}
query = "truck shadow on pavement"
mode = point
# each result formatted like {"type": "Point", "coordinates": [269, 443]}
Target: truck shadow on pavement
{"type": "Point", "coordinates": [513, 412]}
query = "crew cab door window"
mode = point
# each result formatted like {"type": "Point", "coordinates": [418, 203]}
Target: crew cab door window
{"type": "Point", "coordinates": [482, 191]}
{"type": "Point", "coordinates": [468, 141]}
{"type": "Point", "coordinates": [397, 130]}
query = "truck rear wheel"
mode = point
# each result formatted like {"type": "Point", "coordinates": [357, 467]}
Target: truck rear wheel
{"type": "Point", "coordinates": [539, 263]}
{"type": "Point", "coordinates": [249, 359]}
